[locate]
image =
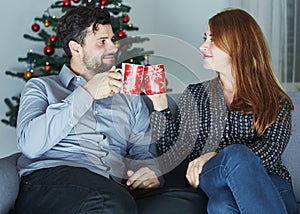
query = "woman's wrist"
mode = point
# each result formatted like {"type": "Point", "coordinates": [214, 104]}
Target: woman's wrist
{"type": "Point", "coordinates": [160, 101]}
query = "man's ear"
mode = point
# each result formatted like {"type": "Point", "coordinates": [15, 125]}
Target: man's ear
{"type": "Point", "coordinates": [74, 48]}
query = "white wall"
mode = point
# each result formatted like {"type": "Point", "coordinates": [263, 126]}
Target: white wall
{"type": "Point", "coordinates": [181, 20]}
{"type": "Point", "coordinates": [178, 27]}
{"type": "Point", "coordinates": [16, 18]}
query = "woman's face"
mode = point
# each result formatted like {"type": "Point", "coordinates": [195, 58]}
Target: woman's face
{"type": "Point", "coordinates": [213, 57]}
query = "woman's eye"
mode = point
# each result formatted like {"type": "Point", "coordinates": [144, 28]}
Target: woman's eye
{"type": "Point", "coordinates": [207, 39]}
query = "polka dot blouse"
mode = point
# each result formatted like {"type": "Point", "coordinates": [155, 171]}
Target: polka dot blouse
{"type": "Point", "coordinates": [203, 123]}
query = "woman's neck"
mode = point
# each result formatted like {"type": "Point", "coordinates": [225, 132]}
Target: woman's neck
{"type": "Point", "coordinates": [227, 83]}
{"type": "Point", "coordinates": [228, 88]}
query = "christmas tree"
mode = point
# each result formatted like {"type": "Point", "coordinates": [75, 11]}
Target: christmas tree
{"type": "Point", "coordinates": [51, 58]}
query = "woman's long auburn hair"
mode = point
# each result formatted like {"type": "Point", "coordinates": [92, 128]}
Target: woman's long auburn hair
{"type": "Point", "coordinates": [257, 89]}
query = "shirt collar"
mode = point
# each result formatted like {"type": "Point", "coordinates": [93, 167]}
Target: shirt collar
{"type": "Point", "coordinates": [68, 78]}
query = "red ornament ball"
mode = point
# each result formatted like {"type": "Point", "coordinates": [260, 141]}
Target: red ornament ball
{"type": "Point", "coordinates": [48, 50]}
{"type": "Point", "coordinates": [76, 1]}
{"type": "Point", "coordinates": [67, 3]}
{"type": "Point", "coordinates": [126, 19]}
{"type": "Point", "coordinates": [121, 34]}
{"type": "Point", "coordinates": [103, 2]}
{"type": "Point", "coordinates": [52, 38]}
{"type": "Point", "coordinates": [35, 27]}
{"type": "Point", "coordinates": [47, 67]}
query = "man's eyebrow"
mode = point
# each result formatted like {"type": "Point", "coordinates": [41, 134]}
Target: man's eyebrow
{"type": "Point", "coordinates": [103, 37]}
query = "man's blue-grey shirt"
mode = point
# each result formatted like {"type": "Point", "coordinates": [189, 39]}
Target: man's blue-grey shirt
{"type": "Point", "coordinates": [59, 123]}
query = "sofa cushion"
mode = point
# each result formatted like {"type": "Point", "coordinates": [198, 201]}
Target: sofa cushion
{"type": "Point", "coordinates": [9, 182]}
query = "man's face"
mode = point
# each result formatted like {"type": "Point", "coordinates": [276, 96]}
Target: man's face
{"type": "Point", "coordinates": [98, 49]}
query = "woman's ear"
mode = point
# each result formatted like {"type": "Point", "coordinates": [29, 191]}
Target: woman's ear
{"type": "Point", "coordinates": [74, 48]}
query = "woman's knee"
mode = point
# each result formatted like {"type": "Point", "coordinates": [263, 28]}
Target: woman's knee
{"type": "Point", "coordinates": [241, 154]}
{"type": "Point", "coordinates": [237, 149]}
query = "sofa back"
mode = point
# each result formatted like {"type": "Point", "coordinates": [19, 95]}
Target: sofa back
{"type": "Point", "coordinates": [291, 156]}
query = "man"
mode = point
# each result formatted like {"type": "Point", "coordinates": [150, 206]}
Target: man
{"type": "Point", "coordinates": [86, 147]}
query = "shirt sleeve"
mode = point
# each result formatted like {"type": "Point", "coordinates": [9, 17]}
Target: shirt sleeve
{"type": "Point", "coordinates": [42, 124]}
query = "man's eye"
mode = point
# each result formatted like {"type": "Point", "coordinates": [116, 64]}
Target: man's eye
{"type": "Point", "coordinates": [102, 41]}
{"type": "Point", "coordinates": [204, 38]}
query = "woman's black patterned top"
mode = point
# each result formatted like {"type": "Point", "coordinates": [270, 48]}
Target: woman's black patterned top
{"type": "Point", "coordinates": [203, 123]}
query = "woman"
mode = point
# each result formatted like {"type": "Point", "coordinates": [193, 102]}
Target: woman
{"type": "Point", "coordinates": [234, 128]}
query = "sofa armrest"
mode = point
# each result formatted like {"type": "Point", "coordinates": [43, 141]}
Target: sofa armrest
{"type": "Point", "coordinates": [9, 182]}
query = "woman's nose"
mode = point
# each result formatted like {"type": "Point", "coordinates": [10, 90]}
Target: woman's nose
{"type": "Point", "coordinates": [203, 47]}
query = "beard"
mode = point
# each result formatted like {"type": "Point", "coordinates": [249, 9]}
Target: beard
{"type": "Point", "coordinates": [95, 66]}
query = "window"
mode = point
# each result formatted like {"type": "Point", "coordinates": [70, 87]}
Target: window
{"type": "Point", "coordinates": [293, 46]}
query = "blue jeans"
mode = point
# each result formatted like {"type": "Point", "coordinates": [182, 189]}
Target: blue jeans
{"type": "Point", "coordinates": [235, 181]}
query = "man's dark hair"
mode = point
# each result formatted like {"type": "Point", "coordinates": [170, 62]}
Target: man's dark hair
{"type": "Point", "coordinates": [73, 25]}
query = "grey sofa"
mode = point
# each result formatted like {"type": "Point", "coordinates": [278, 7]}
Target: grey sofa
{"type": "Point", "coordinates": [9, 179]}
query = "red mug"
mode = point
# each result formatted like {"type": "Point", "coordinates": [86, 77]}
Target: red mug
{"type": "Point", "coordinates": [132, 77]}
{"type": "Point", "coordinates": [155, 80]}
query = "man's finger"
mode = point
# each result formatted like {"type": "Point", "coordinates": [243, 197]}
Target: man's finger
{"type": "Point", "coordinates": [113, 68]}
{"type": "Point", "coordinates": [115, 75]}
{"type": "Point", "coordinates": [135, 176]}
{"type": "Point", "coordinates": [115, 83]}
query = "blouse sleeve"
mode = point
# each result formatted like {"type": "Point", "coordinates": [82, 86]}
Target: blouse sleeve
{"type": "Point", "coordinates": [270, 146]}
{"type": "Point", "coordinates": [174, 135]}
